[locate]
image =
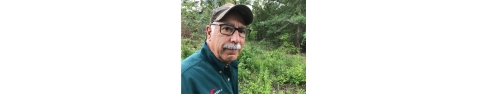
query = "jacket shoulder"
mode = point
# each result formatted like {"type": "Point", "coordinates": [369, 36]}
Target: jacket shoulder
{"type": "Point", "coordinates": [191, 72]}
{"type": "Point", "coordinates": [191, 61]}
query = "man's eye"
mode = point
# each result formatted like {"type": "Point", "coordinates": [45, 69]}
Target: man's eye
{"type": "Point", "coordinates": [228, 28]}
{"type": "Point", "coordinates": [241, 30]}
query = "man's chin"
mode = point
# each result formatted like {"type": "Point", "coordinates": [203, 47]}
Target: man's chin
{"type": "Point", "coordinates": [230, 57]}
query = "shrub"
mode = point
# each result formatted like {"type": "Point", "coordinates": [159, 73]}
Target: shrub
{"type": "Point", "coordinates": [263, 72]}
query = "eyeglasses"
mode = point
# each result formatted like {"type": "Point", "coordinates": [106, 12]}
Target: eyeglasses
{"type": "Point", "coordinates": [228, 30]}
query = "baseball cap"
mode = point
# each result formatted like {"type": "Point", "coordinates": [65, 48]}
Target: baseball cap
{"type": "Point", "coordinates": [220, 12]}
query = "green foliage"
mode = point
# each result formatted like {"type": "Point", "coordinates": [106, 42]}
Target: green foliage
{"type": "Point", "coordinates": [277, 19]}
{"type": "Point", "coordinates": [304, 40]}
{"type": "Point", "coordinates": [189, 47]}
{"type": "Point", "coordinates": [263, 72]}
{"type": "Point", "coordinates": [288, 46]}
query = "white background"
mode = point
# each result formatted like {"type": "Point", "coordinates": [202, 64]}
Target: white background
{"type": "Point", "coordinates": [133, 47]}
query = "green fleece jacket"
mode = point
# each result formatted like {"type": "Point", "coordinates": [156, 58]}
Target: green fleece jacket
{"type": "Point", "coordinates": [203, 73]}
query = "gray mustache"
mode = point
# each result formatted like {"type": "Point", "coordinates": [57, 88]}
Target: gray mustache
{"type": "Point", "coordinates": [232, 46]}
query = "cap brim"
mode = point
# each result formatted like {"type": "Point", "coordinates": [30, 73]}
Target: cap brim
{"type": "Point", "coordinates": [243, 9]}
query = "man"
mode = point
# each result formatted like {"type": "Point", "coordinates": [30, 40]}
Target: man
{"type": "Point", "coordinates": [214, 68]}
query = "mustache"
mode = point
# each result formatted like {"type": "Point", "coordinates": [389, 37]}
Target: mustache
{"type": "Point", "coordinates": [232, 46]}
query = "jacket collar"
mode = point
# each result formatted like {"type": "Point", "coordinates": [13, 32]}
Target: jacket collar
{"type": "Point", "coordinates": [214, 61]}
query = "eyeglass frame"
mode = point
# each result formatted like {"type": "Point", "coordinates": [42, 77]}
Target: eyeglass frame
{"type": "Point", "coordinates": [235, 29]}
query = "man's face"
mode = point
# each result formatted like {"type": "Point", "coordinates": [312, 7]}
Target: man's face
{"type": "Point", "coordinates": [226, 47]}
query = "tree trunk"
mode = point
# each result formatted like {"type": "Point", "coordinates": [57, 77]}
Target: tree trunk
{"type": "Point", "coordinates": [297, 34]}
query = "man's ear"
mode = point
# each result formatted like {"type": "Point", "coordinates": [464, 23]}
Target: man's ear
{"type": "Point", "coordinates": [208, 31]}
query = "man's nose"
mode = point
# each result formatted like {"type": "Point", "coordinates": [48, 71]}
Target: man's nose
{"type": "Point", "coordinates": [235, 37]}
